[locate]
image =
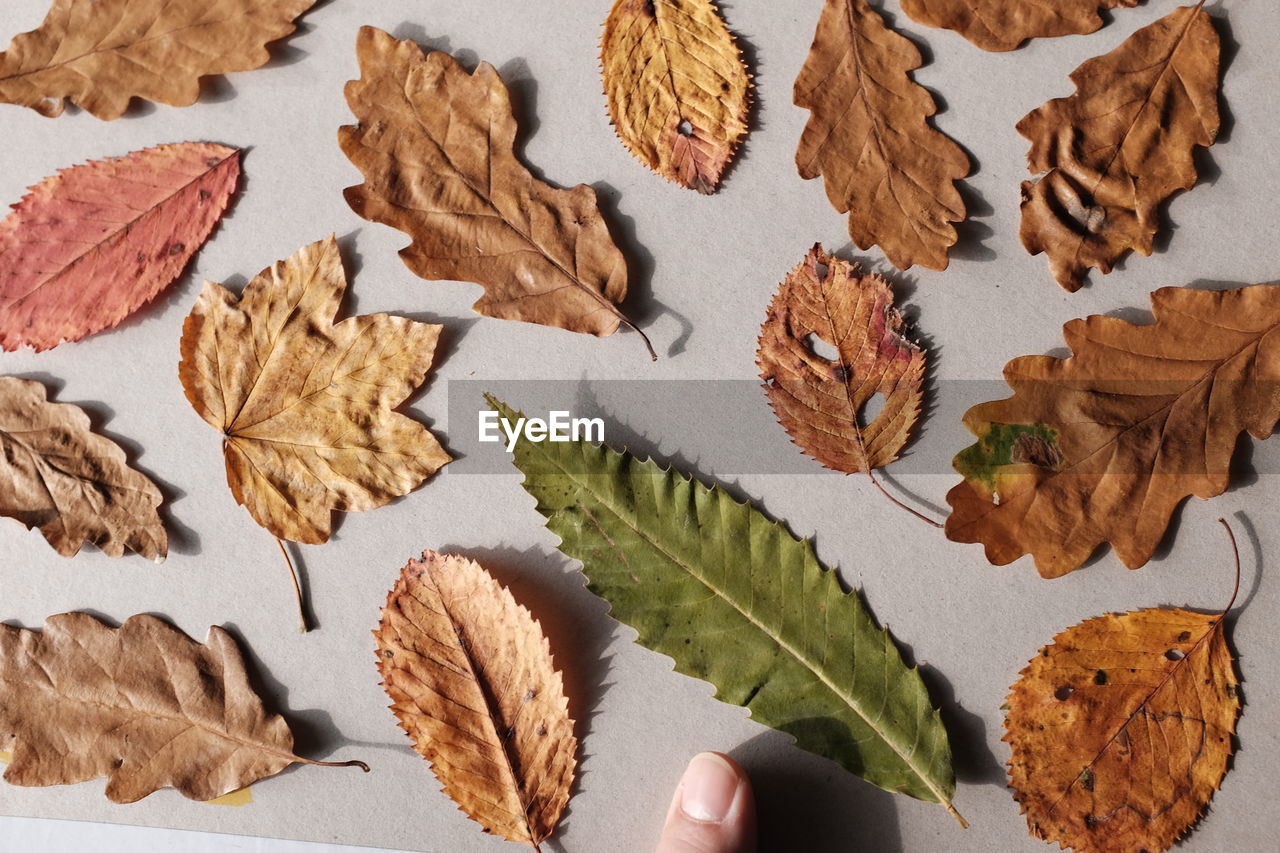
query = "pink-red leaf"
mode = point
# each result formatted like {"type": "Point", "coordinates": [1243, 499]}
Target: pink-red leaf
{"type": "Point", "coordinates": [89, 246]}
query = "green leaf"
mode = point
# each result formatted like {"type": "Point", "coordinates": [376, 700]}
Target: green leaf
{"type": "Point", "coordinates": [735, 599]}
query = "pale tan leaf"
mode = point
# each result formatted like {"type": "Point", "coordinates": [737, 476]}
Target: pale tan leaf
{"type": "Point", "coordinates": [305, 404]}
{"type": "Point", "coordinates": [870, 139]}
{"type": "Point", "coordinates": [472, 682]}
{"type": "Point", "coordinates": [143, 705]}
{"type": "Point", "coordinates": [76, 486]}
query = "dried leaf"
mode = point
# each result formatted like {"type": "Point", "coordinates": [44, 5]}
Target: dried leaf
{"type": "Point", "coordinates": [819, 401]}
{"type": "Point", "coordinates": [677, 88]}
{"type": "Point", "coordinates": [435, 146]}
{"type": "Point", "coordinates": [94, 243]}
{"type": "Point", "coordinates": [1106, 157]}
{"type": "Point", "coordinates": [735, 599]}
{"type": "Point", "coordinates": [1004, 24]}
{"type": "Point", "coordinates": [1104, 445]}
{"type": "Point", "coordinates": [1122, 728]}
{"type": "Point", "coordinates": [77, 487]}
{"type": "Point", "coordinates": [870, 139]}
{"type": "Point", "coordinates": [142, 704]}
{"type": "Point", "coordinates": [98, 54]}
{"type": "Point", "coordinates": [305, 404]}
{"type": "Point", "coordinates": [473, 684]}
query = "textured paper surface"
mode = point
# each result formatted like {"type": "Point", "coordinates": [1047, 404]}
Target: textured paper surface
{"type": "Point", "coordinates": [704, 271]}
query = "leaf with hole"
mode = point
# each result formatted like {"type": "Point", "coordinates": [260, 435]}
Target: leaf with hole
{"type": "Point", "coordinates": [735, 599]}
{"type": "Point", "coordinates": [472, 683]}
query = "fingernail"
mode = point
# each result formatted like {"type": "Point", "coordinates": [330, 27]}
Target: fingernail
{"type": "Point", "coordinates": [708, 788]}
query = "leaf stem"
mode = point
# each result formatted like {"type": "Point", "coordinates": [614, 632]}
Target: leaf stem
{"type": "Point", "coordinates": [297, 594]}
{"type": "Point", "coordinates": [649, 344]}
{"type": "Point", "coordinates": [352, 763]}
{"type": "Point", "coordinates": [951, 810]}
{"type": "Point", "coordinates": [1235, 550]}
{"type": "Point", "coordinates": [926, 519]}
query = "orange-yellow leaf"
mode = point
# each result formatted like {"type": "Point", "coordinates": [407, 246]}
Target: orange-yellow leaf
{"type": "Point", "coordinates": [1004, 24]}
{"type": "Point", "coordinates": [677, 89]}
{"type": "Point", "coordinates": [98, 54]}
{"type": "Point", "coordinates": [1122, 728]}
{"type": "Point", "coordinates": [819, 400]}
{"type": "Point", "coordinates": [1106, 157]}
{"type": "Point", "coordinates": [75, 485]}
{"type": "Point", "coordinates": [471, 680]}
{"type": "Point", "coordinates": [305, 404]}
{"type": "Point", "coordinates": [870, 139]}
{"type": "Point", "coordinates": [94, 243]}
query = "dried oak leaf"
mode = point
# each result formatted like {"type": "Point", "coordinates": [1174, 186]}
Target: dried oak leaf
{"type": "Point", "coordinates": [435, 146]}
{"type": "Point", "coordinates": [98, 54]}
{"type": "Point", "coordinates": [472, 682]}
{"type": "Point", "coordinates": [305, 405]}
{"type": "Point", "coordinates": [1104, 445]}
{"type": "Point", "coordinates": [1122, 728]}
{"type": "Point", "coordinates": [870, 139]}
{"type": "Point", "coordinates": [1004, 24]}
{"type": "Point", "coordinates": [817, 400]}
{"type": "Point", "coordinates": [92, 244]}
{"type": "Point", "coordinates": [1106, 157]}
{"type": "Point", "coordinates": [143, 705]}
{"type": "Point", "coordinates": [77, 487]}
{"type": "Point", "coordinates": [677, 88]}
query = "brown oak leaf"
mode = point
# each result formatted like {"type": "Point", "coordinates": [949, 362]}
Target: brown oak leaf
{"type": "Point", "coordinates": [305, 404]}
{"type": "Point", "coordinates": [870, 139]}
{"type": "Point", "coordinates": [1106, 157]}
{"type": "Point", "coordinates": [1104, 445]}
{"type": "Point", "coordinates": [1004, 24]}
{"type": "Point", "coordinates": [677, 88]}
{"type": "Point", "coordinates": [76, 486]}
{"type": "Point", "coordinates": [472, 682]}
{"type": "Point", "coordinates": [143, 705]}
{"type": "Point", "coordinates": [436, 148]}
{"type": "Point", "coordinates": [98, 54]}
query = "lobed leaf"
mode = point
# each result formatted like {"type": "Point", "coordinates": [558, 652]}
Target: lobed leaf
{"type": "Point", "coordinates": [1000, 25]}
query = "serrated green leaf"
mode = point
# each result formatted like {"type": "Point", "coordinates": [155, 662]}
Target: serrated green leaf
{"type": "Point", "coordinates": [735, 599]}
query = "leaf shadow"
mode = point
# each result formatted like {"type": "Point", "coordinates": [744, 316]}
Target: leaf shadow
{"type": "Point", "coordinates": [751, 61]}
{"type": "Point", "coordinates": [806, 802]}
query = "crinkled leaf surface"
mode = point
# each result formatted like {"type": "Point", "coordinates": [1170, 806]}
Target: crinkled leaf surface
{"type": "Point", "coordinates": [735, 599]}
{"type": "Point", "coordinates": [143, 705]}
{"type": "Point", "coordinates": [98, 54]}
{"type": "Point", "coordinates": [1103, 446]}
{"type": "Point", "coordinates": [870, 139]}
{"type": "Point", "coordinates": [77, 487]}
{"type": "Point", "coordinates": [1121, 730]}
{"type": "Point", "coordinates": [435, 146]}
{"type": "Point", "coordinates": [305, 404]}
{"type": "Point", "coordinates": [677, 88]}
{"type": "Point", "coordinates": [818, 400]}
{"type": "Point", "coordinates": [1106, 157]}
{"type": "Point", "coordinates": [92, 244]}
{"type": "Point", "coordinates": [472, 682]}
{"type": "Point", "coordinates": [1005, 24]}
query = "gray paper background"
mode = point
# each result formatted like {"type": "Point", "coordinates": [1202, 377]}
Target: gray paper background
{"type": "Point", "coordinates": [703, 271]}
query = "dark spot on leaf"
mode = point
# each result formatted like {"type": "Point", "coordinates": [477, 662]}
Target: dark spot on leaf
{"type": "Point", "coordinates": [177, 248]}
{"type": "Point", "coordinates": [204, 195]}
{"type": "Point", "coordinates": [1063, 693]}
{"type": "Point", "coordinates": [1174, 654]}
{"type": "Point", "coordinates": [1184, 636]}
{"type": "Point", "coordinates": [1033, 449]}
{"type": "Point", "coordinates": [1100, 677]}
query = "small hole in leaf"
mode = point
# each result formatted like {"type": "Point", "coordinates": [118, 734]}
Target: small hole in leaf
{"type": "Point", "coordinates": [684, 128]}
{"type": "Point", "coordinates": [1064, 692]}
{"type": "Point", "coordinates": [821, 348]}
{"type": "Point", "coordinates": [1174, 654]}
{"type": "Point", "coordinates": [822, 271]}
{"type": "Point", "coordinates": [1100, 677]}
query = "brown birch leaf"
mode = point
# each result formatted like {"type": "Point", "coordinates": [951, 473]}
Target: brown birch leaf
{"type": "Point", "coordinates": [870, 139]}
{"type": "Point", "coordinates": [436, 148]}
{"type": "Point", "coordinates": [677, 88]}
{"type": "Point", "coordinates": [143, 705]}
{"type": "Point", "coordinates": [74, 485]}
{"type": "Point", "coordinates": [98, 54]}
{"type": "Point", "coordinates": [472, 682]}
{"type": "Point", "coordinates": [1109, 155]}
{"type": "Point", "coordinates": [1004, 24]}
{"type": "Point", "coordinates": [818, 400]}
{"type": "Point", "coordinates": [1121, 729]}
{"type": "Point", "coordinates": [305, 404]}
{"type": "Point", "coordinates": [1103, 446]}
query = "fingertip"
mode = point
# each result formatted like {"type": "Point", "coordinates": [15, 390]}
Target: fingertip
{"type": "Point", "coordinates": [713, 810]}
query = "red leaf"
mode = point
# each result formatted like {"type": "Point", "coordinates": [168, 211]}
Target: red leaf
{"type": "Point", "coordinates": [92, 244]}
